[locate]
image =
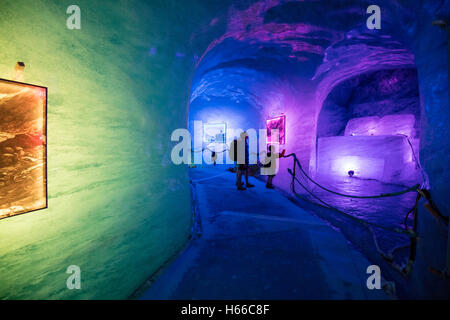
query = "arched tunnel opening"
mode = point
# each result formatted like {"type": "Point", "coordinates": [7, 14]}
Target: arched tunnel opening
{"type": "Point", "coordinates": [382, 103]}
{"type": "Point", "coordinates": [233, 149]}
{"type": "Point", "coordinates": [368, 134]}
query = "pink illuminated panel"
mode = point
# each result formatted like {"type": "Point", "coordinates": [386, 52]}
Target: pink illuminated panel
{"type": "Point", "coordinates": [278, 123]}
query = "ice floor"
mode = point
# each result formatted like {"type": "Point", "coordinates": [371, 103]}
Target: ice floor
{"type": "Point", "coordinates": [256, 244]}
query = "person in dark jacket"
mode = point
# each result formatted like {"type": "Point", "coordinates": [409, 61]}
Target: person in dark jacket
{"type": "Point", "coordinates": [241, 155]}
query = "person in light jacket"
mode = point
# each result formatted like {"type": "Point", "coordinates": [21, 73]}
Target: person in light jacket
{"type": "Point", "coordinates": [270, 164]}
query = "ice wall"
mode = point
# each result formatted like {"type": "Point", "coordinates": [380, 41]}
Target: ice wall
{"type": "Point", "coordinates": [118, 208]}
{"type": "Point", "coordinates": [431, 48]}
{"type": "Point", "coordinates": [380, 148]}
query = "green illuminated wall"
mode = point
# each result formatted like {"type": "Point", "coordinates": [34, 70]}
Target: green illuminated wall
{"type": "Point", "coordinates": [118, 207]}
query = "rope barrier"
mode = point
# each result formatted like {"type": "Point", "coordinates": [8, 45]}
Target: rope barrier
{"type": "Point", "coordinates": [252, 153]}
{"type": "Point", "coordinates": [383, 195]}
{"type": "Point", "coordinates": [206, 148]}
{"type": "Point", "coordinates": [365, 223]}
{"type": "Point", "coordinates": [415, 157]}
{"type": "Point", "coordinates": [389, 257]}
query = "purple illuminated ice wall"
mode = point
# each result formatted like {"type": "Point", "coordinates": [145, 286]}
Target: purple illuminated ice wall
{"type": "Point", "coordinates": [374, 102]}
{"type": "Point", "coordinates": [370, 124]}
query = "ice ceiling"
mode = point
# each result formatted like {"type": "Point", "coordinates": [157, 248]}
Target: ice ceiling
{"type": "Point", "coordinates": [278, 40]}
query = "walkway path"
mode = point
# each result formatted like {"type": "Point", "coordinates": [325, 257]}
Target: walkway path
{"type": "Point", "coordinates": [256, 244]}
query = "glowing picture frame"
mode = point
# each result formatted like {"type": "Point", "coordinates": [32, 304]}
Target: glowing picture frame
{"type": "Point", "coordinates": [278, 123]}
{"type": "Point", "coordinates": [214, 133]}
{"type": "Point", "coordinates": [23, 148]}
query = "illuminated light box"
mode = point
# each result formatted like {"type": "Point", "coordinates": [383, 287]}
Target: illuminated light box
{"type": "Point", "coordinates": [383, 158]}
{"type": "Point", "coordinates": [278, 123]}
{"type": "Point", "coordinates": [23, 151]}
{"type": "Point", "coordinates": [214, 133]}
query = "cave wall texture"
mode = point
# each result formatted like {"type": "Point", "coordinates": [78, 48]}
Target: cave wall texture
{"type": "Point", "coordinates": [119, 86]}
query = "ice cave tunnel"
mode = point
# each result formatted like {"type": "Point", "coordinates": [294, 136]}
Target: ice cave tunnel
{"type": "Point", "coordinates": [364, 110]}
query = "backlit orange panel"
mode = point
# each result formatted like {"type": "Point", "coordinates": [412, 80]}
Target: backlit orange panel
{"type": "Point", "coordinates": [23, 164]}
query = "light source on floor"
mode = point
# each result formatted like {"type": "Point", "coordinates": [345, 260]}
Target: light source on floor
{"type": "Point", "coordinates": [349, 165]}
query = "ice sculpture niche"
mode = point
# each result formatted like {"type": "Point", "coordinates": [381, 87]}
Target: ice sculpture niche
{"type": "Point", "coordinates": [377, 148]}
{"type": "Point", "coordinates": [278, 123]}
{"type": "Point", "coordinates": [23, 165]}
{"type": "Point", "coordinates": [214, 133]}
